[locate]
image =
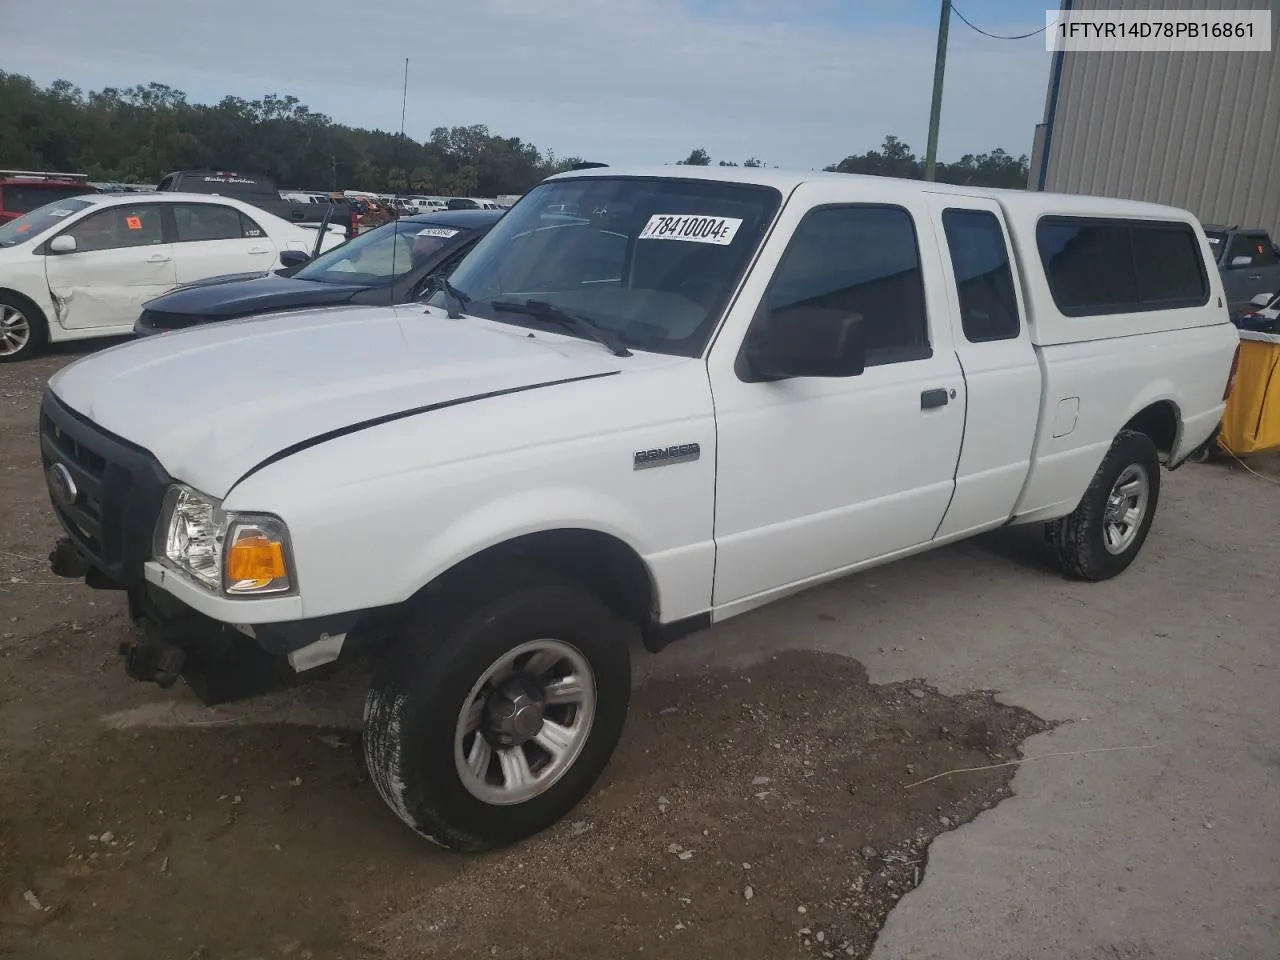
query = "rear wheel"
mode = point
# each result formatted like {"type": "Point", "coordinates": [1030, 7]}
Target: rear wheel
{"type": "Point", "coordinates": [23, 329]}
{"type": "Point", "coordinates": [1105, 532]}
{"type": "Point", "coordinates": [488, 725]}
{"type": "Point", "coordinates": [1203, 453]}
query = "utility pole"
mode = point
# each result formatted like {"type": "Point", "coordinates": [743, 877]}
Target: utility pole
{"type": "Point", "coordinates": [935, 108]}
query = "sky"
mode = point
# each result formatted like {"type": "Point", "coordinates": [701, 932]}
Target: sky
{"type": "Point", "coordinates": [796, 83]}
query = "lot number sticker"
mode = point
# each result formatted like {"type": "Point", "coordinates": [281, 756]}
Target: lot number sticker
{"type": "Point", "coordinates": [443, 232]}
{"type": "Point", "coordinates": [133, 223]}
{"type": "Point", "coordinates": [691, 228]}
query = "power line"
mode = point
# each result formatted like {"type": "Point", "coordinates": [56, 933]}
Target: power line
{"type": "Point", "coordinates": [996, 36]}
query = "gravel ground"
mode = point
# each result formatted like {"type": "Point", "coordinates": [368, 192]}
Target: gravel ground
{"type": "Point", "coordinates": [765, 805]}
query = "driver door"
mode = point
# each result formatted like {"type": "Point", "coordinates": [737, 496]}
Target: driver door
{"type": "Point", "coordinates": [816, 475]}
{"type": "Point", "coordinates": [121, 261]}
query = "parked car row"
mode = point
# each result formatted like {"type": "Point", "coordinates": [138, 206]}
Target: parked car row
{"type": "Point", "coordinates": [390, 265]}
{"type": "Point", "coordinates": [145, 264]}
{"type": "Point", "coordinates": [642, 403]}
{"type": "Point", "coordinates": [83, 266]}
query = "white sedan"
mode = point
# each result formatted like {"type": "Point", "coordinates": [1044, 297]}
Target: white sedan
{"type": "Point", "coordinates": [83, 267]}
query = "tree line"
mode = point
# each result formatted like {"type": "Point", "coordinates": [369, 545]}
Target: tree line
{"type": "Point", "coordinates": [896, 159]}
{"type": "Point", "coordinates": [140, 133]}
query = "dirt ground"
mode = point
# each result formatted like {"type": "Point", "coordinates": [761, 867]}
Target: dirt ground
{"type": "Point", "coordinates": [770, 811]}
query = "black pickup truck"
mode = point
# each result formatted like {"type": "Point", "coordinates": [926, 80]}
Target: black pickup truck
{"type": "Point", "coordinates": [262, 193]}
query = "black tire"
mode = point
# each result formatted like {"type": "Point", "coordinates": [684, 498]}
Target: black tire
{"type": "Point", "coordinates": [1203, 454]}
{"type": "Point", "coordinates": [37, 328]}
{"type": "Point", "coordinates": [413, 707]}
{"type": "Point", "coordinates": [1078, 541]}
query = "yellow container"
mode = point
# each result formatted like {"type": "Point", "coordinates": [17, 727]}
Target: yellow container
{"type": "Point", "coordinates": [1251, 421]}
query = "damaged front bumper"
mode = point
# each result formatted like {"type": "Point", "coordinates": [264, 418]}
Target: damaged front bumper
{"type": "Point", "coordinates": [107, 494]}
{"type": "Point", "coordinates": [219, 661]}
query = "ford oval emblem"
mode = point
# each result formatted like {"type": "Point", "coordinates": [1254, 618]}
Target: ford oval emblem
{"type": "Point", "coordinates": [62, 486]}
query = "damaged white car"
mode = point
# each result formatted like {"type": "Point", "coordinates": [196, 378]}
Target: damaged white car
{"type": "Point", "coordinates": [82, 267]}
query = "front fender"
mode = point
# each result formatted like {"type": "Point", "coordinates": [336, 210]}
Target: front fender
{"type": "Point", "coordinates": [518, 515]}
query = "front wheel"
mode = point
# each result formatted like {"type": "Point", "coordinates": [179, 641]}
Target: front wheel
{"type": "Point", "coordinates": [489, 725]}
{"type": "Point", "coordinates": [23, 329]}
{"type": "Point", "coordinates": [1105, 532]}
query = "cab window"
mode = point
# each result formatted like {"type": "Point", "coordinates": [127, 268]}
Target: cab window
{"type": "Point", "coordinates": [860, 260]}
{"type": "Point", "coordinates": [118, 227]}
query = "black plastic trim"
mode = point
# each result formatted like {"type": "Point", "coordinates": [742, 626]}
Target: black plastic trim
{"type": "Point", "coordinates": [658, 636]}
{"type": "Point", "coordinates": [114, 532]}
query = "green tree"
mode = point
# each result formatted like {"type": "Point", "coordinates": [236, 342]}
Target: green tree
{"type": "Point", "coordinates": [140, 133]}
{"type": "Point", "coordinates": [698, 158]}
{"type": "Point", "coordinates": [895, 159]}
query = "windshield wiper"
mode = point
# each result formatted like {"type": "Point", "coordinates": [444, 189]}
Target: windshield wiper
{"type": "Point", "coordinates": [579, 324]}
{"type": "Point", "coordinates": [460, 300]}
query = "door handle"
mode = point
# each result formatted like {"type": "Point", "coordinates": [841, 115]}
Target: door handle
{"type": "Point", "coordinates": [259, 250]}
{"type": "Point", "coordinates": [158, 258]}
{"type": "Point", "coordinates": [931, 399]}
{"type": "Point", "coordinates": [1255, 276]}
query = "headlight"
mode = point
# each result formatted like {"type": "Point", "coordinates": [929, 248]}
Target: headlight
{"type": "Point", "coordinates": [239, 554]}
{"type": "Point", "coordinates": [190, 535]}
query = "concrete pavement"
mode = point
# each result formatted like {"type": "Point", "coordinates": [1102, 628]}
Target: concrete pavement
{"type": "Point", "coordinates": [1171, 851]}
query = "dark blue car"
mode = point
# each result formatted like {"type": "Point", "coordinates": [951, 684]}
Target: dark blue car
{"type": "Point", "coordinates": [388, 265]}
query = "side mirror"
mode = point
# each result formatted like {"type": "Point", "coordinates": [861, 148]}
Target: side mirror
{"type": "Point", "coordinates": [63, 244]}
{"type": "Point", "coordinates": [806, 342]}
{"type": "Point", "coordinates": [293, 258]}
{"type": "Point", "coordinates": [1238, 262]}
{"type": "Point", "coordinates": [1262, 299]}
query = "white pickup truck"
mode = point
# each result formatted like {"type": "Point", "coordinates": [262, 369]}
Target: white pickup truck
{"type": "Point", "coordinates": [647, 401]}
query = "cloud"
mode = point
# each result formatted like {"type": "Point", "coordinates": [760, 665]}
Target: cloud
{"type": "Point", "coordinates": [617, 80]}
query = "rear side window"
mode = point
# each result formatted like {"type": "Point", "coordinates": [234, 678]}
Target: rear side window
{"type": "Point", "coordinates": [207, 221]}
{"type": "Point", "coordinates": [862, 260]}
{"type": "Point", "coordinates": [250, 228]}
{"type": "Point", "coordinates": [1166, 263]}
{"type": "Point", "coordinates": [1098, 266]}
{"type": "Point", "coordinates": [984, 281]}
{"type": "Point", "coordinates": [1257, 247]}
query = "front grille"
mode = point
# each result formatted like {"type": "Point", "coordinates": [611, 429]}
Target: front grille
{"type": "Point", "coordinates": [94, 463]}
{"type": "Point", "coordinates": [118, 490]}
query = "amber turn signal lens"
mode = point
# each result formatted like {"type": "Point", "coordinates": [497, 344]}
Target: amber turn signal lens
{"type": "Point", "coordinates": [256, 559]}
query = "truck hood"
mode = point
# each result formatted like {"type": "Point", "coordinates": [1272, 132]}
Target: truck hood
{"type": "Point", "coordinates": [214, 403]}
{"type": "Point", "coordinates": [239, 296]}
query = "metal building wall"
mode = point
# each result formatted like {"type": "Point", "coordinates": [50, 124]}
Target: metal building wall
{"type": "Point", "coordinates": [1196, 130]}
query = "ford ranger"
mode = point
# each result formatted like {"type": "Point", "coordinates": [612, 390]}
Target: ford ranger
{"type": "Point", "coordinates": [644, 403]}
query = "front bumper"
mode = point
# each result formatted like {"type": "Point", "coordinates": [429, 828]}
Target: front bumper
{"type": "Point", "coordinates": [221, 661]}
{"type": "Point", "coordinates": [286, 631]}
{"type": "Point", "coordinates": [107, 494]}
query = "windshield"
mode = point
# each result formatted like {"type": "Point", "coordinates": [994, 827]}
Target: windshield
{"type": "Point", "coordinates": [38, 221]}
{"type": "Point", "coordinates": [652, 262]}
{"type": "Point", "coordinates": [381, 255]}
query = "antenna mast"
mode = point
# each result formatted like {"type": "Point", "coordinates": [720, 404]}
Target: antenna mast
{"type": "Point", "coordinates": [395, 247]}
